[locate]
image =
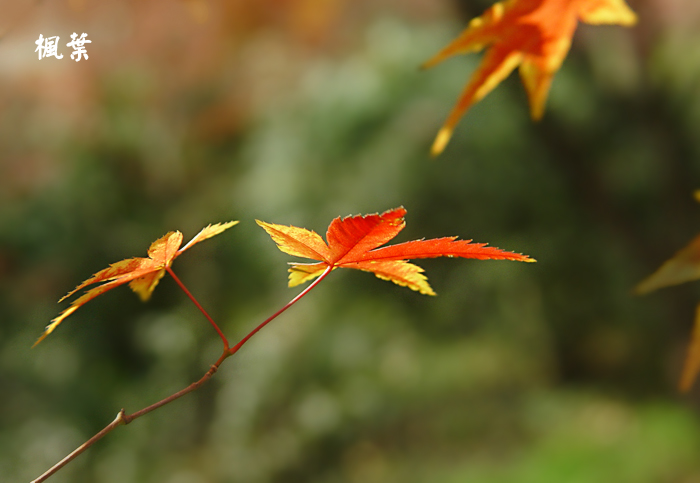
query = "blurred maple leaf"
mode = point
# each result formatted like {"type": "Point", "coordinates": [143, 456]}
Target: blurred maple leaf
{"type": "Point", "coordinates": [354, 241]}
{"type": "Point", "coordinates": [142, 274]}
{"type": "Point", "coordinates": [683, 267]}
{"type": "Point", "coordinates": [533, 34]}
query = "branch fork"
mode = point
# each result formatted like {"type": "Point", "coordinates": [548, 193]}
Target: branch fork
{"type": "Point", "coordinates": [123, 418]}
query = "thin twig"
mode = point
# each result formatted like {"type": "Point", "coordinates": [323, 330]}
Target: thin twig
{"type": "Point", "coordinates": [124, 419]}
{"type": "Point", "coordinates": [187, 292]}
{"type": "Point", "coordinates": [235, 348]}
{"type": "Point", "coordinates": [118, 421]}
{"type": "Point", "coordinates": [195, 385]}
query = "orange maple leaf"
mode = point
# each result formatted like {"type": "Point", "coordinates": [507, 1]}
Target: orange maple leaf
{"type": "Point", "coordinates": [142, 274]}
{"type": "Point", "coordinates": [533, 34]}
{"type": "Point", "coordinates": [683, 267]}
{"type": "Point", "coordinates": [354, 241]}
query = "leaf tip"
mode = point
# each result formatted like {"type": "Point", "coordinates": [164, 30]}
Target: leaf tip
{"type": "Point", "coordinates": [685, 384]}
{"type": "Point", "coordinates": [422, 288]}
{"type": "Point", "coordinates": [641, 288]}
{"type": "Point", "coordinates": [208, 231]}
{"type": "Point", "coordinates": [427, 64]}
{"type": "Point", "coordinates": [55, 322]}
{"type": "Point", "coordinates": [43, 336]}
{"type": "Point", "coordinates": [441, 140]}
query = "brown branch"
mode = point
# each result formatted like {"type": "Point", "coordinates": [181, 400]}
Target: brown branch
{"type": "Point", "coordinates": [118, 421]}
{"type": "Point", "coordinates": [124, 419]}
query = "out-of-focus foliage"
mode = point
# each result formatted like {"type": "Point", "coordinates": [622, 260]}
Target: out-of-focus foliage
{"type": "Point", "coordinates": [683, 267]}
{"type": "Point", "coordinates": [534, 35]}
{"type": "Point", "coordinates": [188, 112]}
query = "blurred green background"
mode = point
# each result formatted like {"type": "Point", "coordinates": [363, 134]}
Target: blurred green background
{"type": "Point", "coordinates": [298, 111]}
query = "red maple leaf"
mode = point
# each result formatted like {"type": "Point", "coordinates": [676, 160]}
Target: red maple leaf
{"type": "Point", "coordinates": [533, 34]}
{"type": "Point", "coordinates": [355, 241]}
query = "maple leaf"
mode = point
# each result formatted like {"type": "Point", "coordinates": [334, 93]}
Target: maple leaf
{"type": "Point", "coordinates": [533, 34]}
{"type": "Point", "coordinates": [355, 241]}
{"type": "Point", "coordinates": [142, 274]}
{"type": "Point", "coordinates": [683, 267]}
